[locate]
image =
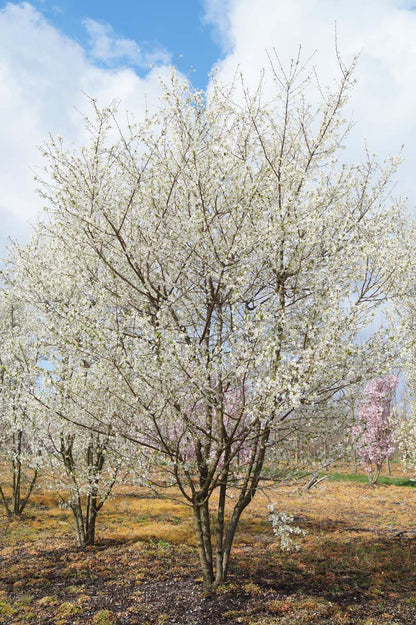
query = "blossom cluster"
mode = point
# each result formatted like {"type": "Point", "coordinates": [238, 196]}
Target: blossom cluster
{"type": "Point", "coordinates": [285, 530]}
{"type": "Point", "coordinates": [374, 432]}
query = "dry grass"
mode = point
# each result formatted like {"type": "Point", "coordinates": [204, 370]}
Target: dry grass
{"type": "Point", "coordinates": [357, 563]}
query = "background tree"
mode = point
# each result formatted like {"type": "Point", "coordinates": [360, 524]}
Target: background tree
{"type": "Point", "coordinates": [19, 441]}
{"type": "Point", "coordinates": [316, 437]}
{"type": "Point", "coordinates": [405, 439]}
{"type": "Point", "coordinates": [84, 456]}
{"type": "Point", "coordinates": [82, 464]}
{"type": "Point", "coordinates": [374, 432]}
{"type": "Point", "coordinates": [232, 260]}
{"type": "Point", "coordinates": [405, 434]}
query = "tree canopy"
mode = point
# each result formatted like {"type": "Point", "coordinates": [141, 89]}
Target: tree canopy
{"type": "Point", "coordinates": [219, 262]}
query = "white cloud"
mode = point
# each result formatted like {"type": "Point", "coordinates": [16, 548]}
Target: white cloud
{"type": "Point", "coordinates": [105, 46]}
{"type": "Point", "coordinates": [383, 32]}
{"type": "Point", "coordinates": [43, 75]}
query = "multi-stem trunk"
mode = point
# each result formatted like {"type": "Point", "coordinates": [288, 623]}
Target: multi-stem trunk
{"type": "Point", "coordinates": [215, 574]}
{"type": "Point", "coordinates": [374, 474]}
{"type": "Point", "coordinates": [18, 504]}
{"type": "Point", "coordinates": [17, 470]}
{"type": "Point", "coordinates": [85, 508]}
{"type": "Point", "coordinates": [84, 524]}
{"type": "Point", "coordinates": [78, 516]}
{"type": "Point", "coordinates": [215, 562]}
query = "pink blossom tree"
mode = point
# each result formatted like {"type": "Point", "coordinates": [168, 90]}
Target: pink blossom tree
{"type": "Point", "coordinates": [374, 431]}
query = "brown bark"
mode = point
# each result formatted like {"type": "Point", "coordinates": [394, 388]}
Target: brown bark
{"type": "Point", "coordinates": [85, 522]}
{"type": "Point", "coordinates": [216, 573]}
{"type": "Point", "coordinates": [17, 505]}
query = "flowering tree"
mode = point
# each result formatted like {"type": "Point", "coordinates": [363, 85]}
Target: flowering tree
{"type": "Point", "coordinates": [76, 400]}
{"type": "Point", "coordinates": [228, 261]}
{"type": "Point", "coordinates": [405, 438]}
{"type": "Point", "coordinates": [374, 431]}
{"type": "Point", "coordinates": [19, 441]}
{"type": "Point", "coordinates": [405, 433]}
{"type": "Point", "coordinates": [82, 464]}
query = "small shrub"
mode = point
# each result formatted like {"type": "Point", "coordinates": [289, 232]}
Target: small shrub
{"type": "Point", "coordinates": [283, 528]}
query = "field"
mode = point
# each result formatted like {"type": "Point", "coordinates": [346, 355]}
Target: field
{"type": "Point", "coordinates": [356, 565]}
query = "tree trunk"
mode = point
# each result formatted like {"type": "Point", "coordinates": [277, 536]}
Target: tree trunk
{"type": "Point", "coordinates": [374, 475]}
{"type": "Point", "coordinates": [225, 533]}
{"type": "Point", "coordinates": [204, 559]}
{"type": "Point", "coordinates": [76, 507]}
{"type": "Point", "coordinates": [91, 518]}
{"type": "Point", "coordinates": [84, 524]}
{"type": "Point", "coordinates": [5, 503]}
{"type": "Point", "coordinates": [220, 533]}
{"type": "Point", "coordinates": [17, 472]}
{"type": "Point", "coordinates": [355, 462]}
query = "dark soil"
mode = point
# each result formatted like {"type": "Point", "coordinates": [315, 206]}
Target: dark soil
{"type": "Point", "coordinates": [142, 584]}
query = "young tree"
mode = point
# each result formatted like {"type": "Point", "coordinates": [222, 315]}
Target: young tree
{"type": "Point", "coordinates": [232, 260]}
{"type": "Point", "coordinates": [317, 436]}
{"type": "Point", "coordinates": [74, 393]}
{"type": "Point", "coordinates": [405, 434]}
{"type": "Point", "coordinates": [82, 465]}
{"type": "Point", "coordinates": [19, 440]}
{"type": "Point", "coordinates": [374, 432]}
{"type": "Point", "coordinates": [405, 440]}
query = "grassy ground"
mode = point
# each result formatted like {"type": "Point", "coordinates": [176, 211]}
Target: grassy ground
{"type": "Point", "coordinates": [356, 565]}
{"type": "Point", "coordinates": [360, 478]}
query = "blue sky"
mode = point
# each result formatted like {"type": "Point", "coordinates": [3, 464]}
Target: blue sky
{"type": "Point", "coordinates": [52, 52]}
{"type": "Point", "coordinates": [178, 26]}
